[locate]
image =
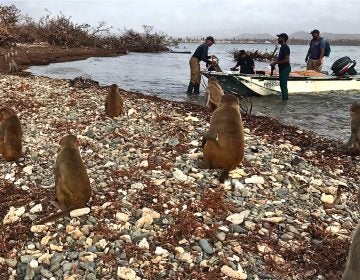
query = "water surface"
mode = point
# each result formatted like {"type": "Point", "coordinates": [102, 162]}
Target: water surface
{"type": "Point", "coordinates": [167, 75]}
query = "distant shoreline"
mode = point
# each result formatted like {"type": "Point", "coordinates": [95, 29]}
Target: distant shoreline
{"type": "Point", "coordinates": [291, 41]}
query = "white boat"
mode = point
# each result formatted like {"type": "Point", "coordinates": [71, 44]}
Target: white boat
{"type": "Point", "coordinates": [264, 84]}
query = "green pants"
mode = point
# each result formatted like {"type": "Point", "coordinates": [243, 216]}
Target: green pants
{"type": "Point", "coordinates": [283, 77]}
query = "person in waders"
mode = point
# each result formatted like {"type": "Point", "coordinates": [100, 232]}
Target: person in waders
{"type": "Point", "coordinates": [200, 54]}
{"type": "Point", "coordinates": [283, 61]}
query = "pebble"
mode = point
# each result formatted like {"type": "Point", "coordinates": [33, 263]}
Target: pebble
{"type": "Point", "coordinates": [205, 245]}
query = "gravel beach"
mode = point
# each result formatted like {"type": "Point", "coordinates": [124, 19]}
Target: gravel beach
{"type": "Point", "coordinates": [286, 213]}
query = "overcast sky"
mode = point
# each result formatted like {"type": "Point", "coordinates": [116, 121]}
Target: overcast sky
{"type": "Point", "coordinates": [220, 18]}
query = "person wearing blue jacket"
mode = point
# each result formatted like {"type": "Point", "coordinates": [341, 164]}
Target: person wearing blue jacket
{"type": "Point", "coordinates": [200, 54]}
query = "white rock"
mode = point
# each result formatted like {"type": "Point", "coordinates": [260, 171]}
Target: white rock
{"type": "Point", "coordinates": [108, 164]}
{"type": "Point", "coordinates": [185, 257]}
{"type": "Point", "coordinates": [250, 225]}
{"type": "Point", "coordinates": [76, 234]}
{"type": "Point", "coordinates": [158, 182]}
{"type": "Point", "coordinates": [237, 173]}
{"type": "Point", "coordinates": [102, 243]}
{"type": "Point", "coordinates": [327, 198]}
{"type": "Point", "coordinates": [28, 169]}
{"type": "Point", "coordinates": [106, 205]}
{"type": "Point", "coordinates": [56, 247]}
{"type": "Point", "coordinates": [191, 118]}
{"type": "Point", "coordinates": [122, 217]}
{"type": "Point", "coordinates": [144, 244]}
{"type": "Point", "coordinates": [238, 218]}
{"type": "Point", "coordinates": [194, 143]}
{"type": "Point", "coordinates": [10, 176]}
{"type": "Point", "coordinates": [179, 175]}
{"type": "Point", "coordinates": [334, 228]}
{"type": "Point", "coordinates": [144, 163]}
{"type": "Point", "coordinates": [159, 251]}
{"type": "Point", "coordinates": [138, 186]}
{"type": "Point", "coordinates": [274, 220]}
{"type": "Point", "coordinates": [45, 240]}
{"type": "Point", "coordinates": [38, 228]}
{"type": "Point", "coordinates": [79, 212]}
{"type": "Point", "coordinates": [126, 273]}
{"type": "Point", "coordinates": [131, 111]}
{"type": "Point", "coordinates": [147, 211]}
{"type": "Point", "coordinates": [195, 155]}
{"type": "Point", "coordinates": [45, 258]}
{"type": "Point", "coordinates": [269, 213]}
{"type": "Point", "coordinates": [255, 180]}
{"type": "Point", "coordinates": [13, 215]}
{"type": "Point", "coordinates": [144, 221]}
{"type": "Point", "coordinates": [88, 257]}
{"type": "Point", "coordinates": [37, 208]}
{"type": "Point", "coordinates": [228, 271]}
{"type": "Point", "coordinates": [224, 228]}
{"type": "Point", "coordinates": [34, 264]}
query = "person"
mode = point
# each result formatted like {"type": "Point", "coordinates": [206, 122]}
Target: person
{"type": "Point", "coordinates": [316, 52]}
{"type": "Point", "coordinates": [200, 54]}
{"type": "Point", "coordinates": [283, 61]}
{"type": "Point", "coordinates": [245, 62]}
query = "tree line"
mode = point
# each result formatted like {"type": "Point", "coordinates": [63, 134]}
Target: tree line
{"type": "Point", "coordinates": [60, 30]}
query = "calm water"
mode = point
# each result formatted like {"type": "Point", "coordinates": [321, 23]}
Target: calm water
{"type": "Point", "coordinates": [167, 74]}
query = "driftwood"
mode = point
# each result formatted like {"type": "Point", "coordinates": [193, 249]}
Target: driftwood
{"type": "Point", "coordinates": [257, 55]}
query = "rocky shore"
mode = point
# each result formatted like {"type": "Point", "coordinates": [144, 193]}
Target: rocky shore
{"type": "Point", "coordinates": [286, 213]}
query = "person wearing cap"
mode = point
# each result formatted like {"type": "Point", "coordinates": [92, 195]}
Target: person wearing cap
{"type": "Point", "coordinates": [283, 62]}
{"type": "Point", "coordinates": [316, 52]}
{"type": "Point", "coordinates": [200, 54]}
{"type": "Point", "coordinates": [245, 62]}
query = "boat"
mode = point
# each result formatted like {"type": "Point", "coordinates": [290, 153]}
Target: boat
{"type": "Point", "coordinates": [262, 83]}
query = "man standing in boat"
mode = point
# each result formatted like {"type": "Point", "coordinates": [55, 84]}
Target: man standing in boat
{"type": "Point", "coordinates": [245, 62]}
{"type": "Point", "coordinates": [316, 52]}
{"type": "Point", "coordinates": [200, 54]}
{"type": "Point", "coordinates": [283, 61]}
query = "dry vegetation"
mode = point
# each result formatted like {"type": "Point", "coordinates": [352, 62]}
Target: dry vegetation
{"type": "Point", "coordinates": [60, 30]}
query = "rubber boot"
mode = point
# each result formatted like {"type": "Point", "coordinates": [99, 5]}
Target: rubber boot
{"type": "Point", "coordinates": [197, 88]}
{"type": "Point", "coordinates": [190, 88]}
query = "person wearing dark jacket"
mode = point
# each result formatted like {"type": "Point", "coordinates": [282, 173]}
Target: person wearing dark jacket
{"type": "Point", "coordinates": [283, 61]}
{"type": "Point", "coordinates": [245, 62]}
{"type": "Point", "coordinates": [200, 54]}
{"type": "Point", "coordinates": [316, 52]}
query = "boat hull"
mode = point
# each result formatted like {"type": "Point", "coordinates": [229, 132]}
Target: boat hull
{"type": "Point", "coordinates": [267, 85]}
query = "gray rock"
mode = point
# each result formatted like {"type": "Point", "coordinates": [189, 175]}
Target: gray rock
{"type": "Point", "coordinates": [88, 265]}
{"type": "Point", "coordinates": [236, 228]}
{"type": "Point", "coordinates": [55, 266]}
{"type": "Point", "coordinates": [90, 276]}
{"type": "Point", "coordinates": [26, 258]}
{"type": "Point", "coordinates": [205, 245]}
{"type": "Point", "coordinates": [46, 273]}
{"type": "Point", "coordinates": [67, 266]}
{"type": "Point", "coordinates": [72, 255]}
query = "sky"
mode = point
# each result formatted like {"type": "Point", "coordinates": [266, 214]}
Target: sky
{"type": "Point", "coordinates": [199, 18]}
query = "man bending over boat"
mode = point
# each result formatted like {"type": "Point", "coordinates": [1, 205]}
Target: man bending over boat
{"type": "Point", "coordinates": [200, 54]}
{"type": "Point", "coordinates": [283, 61]}
{"type": "Point", "coordinates": [245, 62]}
{"type": "Point", "coordinates": [315, 55]}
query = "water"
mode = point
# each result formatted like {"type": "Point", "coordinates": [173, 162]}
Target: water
{"type": "Point", "coordinates": [167, 75]}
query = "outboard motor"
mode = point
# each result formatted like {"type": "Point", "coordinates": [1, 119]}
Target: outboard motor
{"type": "Point", "coordinates": [344, 66]}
